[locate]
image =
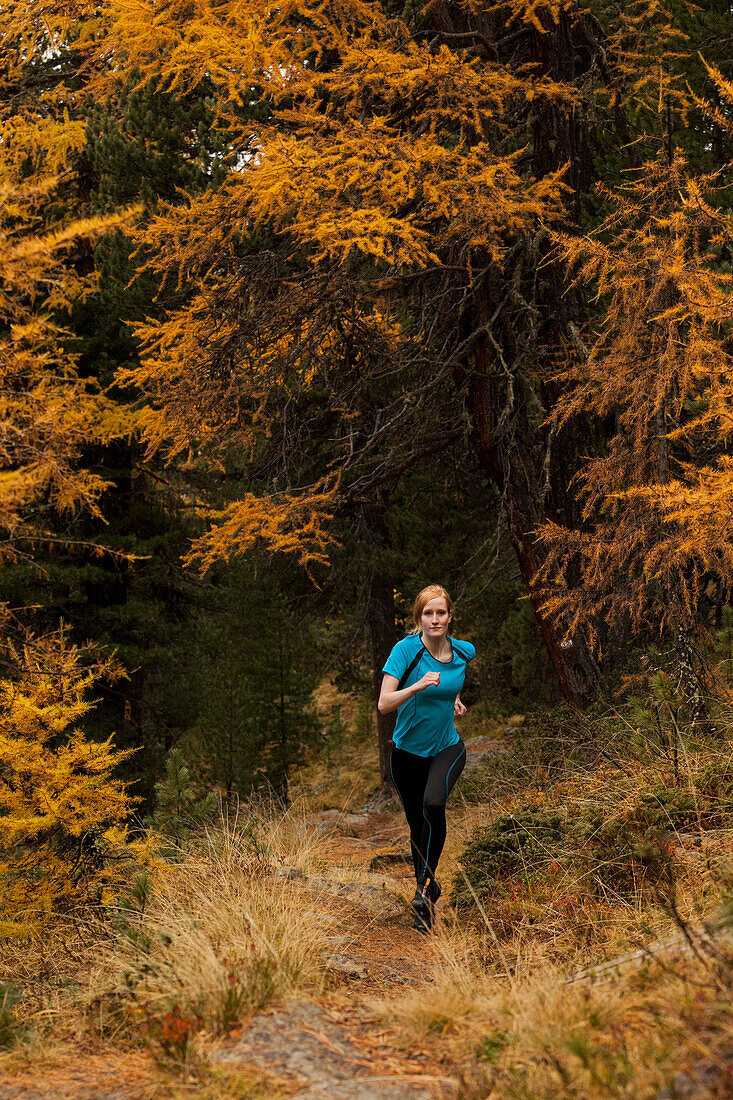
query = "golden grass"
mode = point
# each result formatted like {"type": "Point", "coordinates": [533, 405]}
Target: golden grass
{"type": "Point", "coordinates": [498, 1003]}
{"type": "Point", "coordinates": [220, 939]}
{"type": "Point", "coordinates": [571, 926]}
{"type": "Point", "coordinates": [523, 1032]}
{"type": "Point", "coordinates": [218, 934]}
{"type": "Point", "coordinates": [193, 948]}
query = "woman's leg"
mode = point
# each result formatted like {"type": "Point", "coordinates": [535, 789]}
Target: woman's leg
{"type": "Point", "coordinates": [409, 775]}
{"type": "Point", "coordinates": [442, 775]}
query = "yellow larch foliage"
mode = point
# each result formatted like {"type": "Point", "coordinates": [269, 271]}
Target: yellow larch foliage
{"type": "Point", "coordinates": [62, 815]}
{"type": "Point", "coordinates": [288, 523]}
{"type": "Point", "coordinates": [651, 55]}
{"type": "Point", "coordinates": [539, 14]}
{"type": "Point", "coordinates": [235, 43]}
{"type": "Point", "coordinates": [364, 190]}
{"type": "Point", "coordinates": [657, 524]}
{"type": "Point", "coordinates": [47, 413]}
{"type": "Point", "coordinates": [63, 830]}
{"type": "Point", "coordinates": [374, 152]}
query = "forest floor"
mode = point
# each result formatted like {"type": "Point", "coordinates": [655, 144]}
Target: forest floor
{"type": "Point", "coordinates": [332, 1046]}
{"type": "Point", "coordinates": [548, 992]}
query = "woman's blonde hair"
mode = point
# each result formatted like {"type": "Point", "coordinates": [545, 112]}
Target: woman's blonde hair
{"type": "Point", "coordinates": [424, 596]}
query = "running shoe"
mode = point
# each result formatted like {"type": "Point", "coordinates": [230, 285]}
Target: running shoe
{"type": "Point", "coordinates": [422, 905]}
{"type": "Point", "coordinates": [434, 889]}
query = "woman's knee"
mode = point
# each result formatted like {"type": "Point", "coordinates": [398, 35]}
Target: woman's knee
{"type": "Point", "coordinates": [433, 806]}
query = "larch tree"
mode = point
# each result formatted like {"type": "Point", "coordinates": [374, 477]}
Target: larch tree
{"type": "Point", "coordinates": [391, 175]}
{"type": "Point", "coordinates": [658, 501]}
{"type": "Point", "coordinates": [114, 145]}
{"type": "Point", "coordinates": [48, 413]}
{"type": "Point", "coordinates": [390, 211]}
{"type": "Point", "coordinates": [65, 843]}
{"type": "Point", "coordinates": [377, 261]}
{"type": "Point", "coordinates": [62, 814]}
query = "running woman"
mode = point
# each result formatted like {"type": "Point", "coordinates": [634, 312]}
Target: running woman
{"type": "Point", "coordinates": [423, 677]}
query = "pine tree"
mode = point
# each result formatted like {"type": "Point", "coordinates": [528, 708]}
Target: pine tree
{"type": "Point", "coordinates": [256, 667]}
{"type": "Point", "coordinates": [179, 806]}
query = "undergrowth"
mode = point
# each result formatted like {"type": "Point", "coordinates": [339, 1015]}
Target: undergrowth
{"type": "Point", "coordinates": [586, 954]}
{"type": "Point", "coordinates": [342, 772]}
{"type": "Point", "coordinates": [530, 1033]}
{"type": "Point", "coordinates": [185, 952]}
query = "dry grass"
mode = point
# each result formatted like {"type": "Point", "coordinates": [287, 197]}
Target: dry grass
{"type": "Point", "coordinates": [190, 951]}
{"type": "Point", "coordinates": [219, 938]}
{"type": "Point", "coordinates": [497, 1002]}
{"type": "Point", "coordinates": [573, 927]}
{"type": "Point", "coordinates": [216, 934]}
{"type": "Point", "coordinates": [522, 1032]}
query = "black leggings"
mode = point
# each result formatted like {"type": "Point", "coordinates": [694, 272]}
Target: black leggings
{"type": "Point", "coordinates": [423, 784]}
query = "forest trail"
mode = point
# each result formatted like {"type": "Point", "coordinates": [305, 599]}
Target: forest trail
{"type": "Point", "coordinates": [379, 949]}
{"type": "Point", "coordinates": [333, 1049]}
{"type": "Point", "coordinates": [326, 1048]}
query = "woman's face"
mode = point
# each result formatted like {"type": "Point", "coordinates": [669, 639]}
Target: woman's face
{"type": "Point", "coordinates": [435, 618]}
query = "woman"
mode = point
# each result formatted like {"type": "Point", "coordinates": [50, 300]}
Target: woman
{"type": "Point", "coordinates": [423, 677]}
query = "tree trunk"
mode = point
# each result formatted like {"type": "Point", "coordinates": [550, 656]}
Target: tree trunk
{"type": "Point", "coordinates": [282, 775]}
{"type": "Point", "coordinates": [513, 451]}
{"type": "Point", "coordinates": [527, 320]}
{"type": "Point", "coordinates": [577, 671]}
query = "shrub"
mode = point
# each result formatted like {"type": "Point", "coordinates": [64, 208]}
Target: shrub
{"type": "Point", "coordinates": [215, 935]}
{"type": "Point", "coordinates": [10, 1028]}
{"type": "Point", "coordinates": [169, 1032]}
{"type": "Point", "coordinates": [62, 815]}
{"type": "Point", "coordinates": [506, 847]}
{"type": "Point", "coordinates": [180, 809]}
{"type": "Point", "coordinates": [622, 850]}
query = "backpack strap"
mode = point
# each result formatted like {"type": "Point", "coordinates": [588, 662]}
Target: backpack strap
{"type": "Point", "coordinates": [406, 675]}
{"type": "Point", "coordinates": [459, 651]}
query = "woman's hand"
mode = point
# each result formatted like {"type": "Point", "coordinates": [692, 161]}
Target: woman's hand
{"type": "Point", "coordinates": [458, 708]}
{"type": "Point", "coordinates": [392, 696]}
{"type": "Point", "coordinates": [430, 679]}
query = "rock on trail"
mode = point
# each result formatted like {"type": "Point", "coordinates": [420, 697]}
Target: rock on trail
{"type": "Point", "coordinates": [303, 1043]}
{"type": "Point", "coordinates": [372, 895]}
{"type": "Point", "coordinates": [376, 898]}
{"type": "Point", "coordinates": [479, 748]}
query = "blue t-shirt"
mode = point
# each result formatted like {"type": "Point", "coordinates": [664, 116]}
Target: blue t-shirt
{"type": "Point", "coordinates": [425, 723]}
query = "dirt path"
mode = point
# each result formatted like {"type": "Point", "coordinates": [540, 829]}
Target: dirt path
{"type": "Point", "coordinates": [373, 847]}
{"type": "Point", "coordinates": [334, 1049]}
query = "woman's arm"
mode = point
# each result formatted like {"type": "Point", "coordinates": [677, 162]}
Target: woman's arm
{"type": "Point", "coordinates": [459, 708]}
{"type": "Point", "coordinates": [391, 699]}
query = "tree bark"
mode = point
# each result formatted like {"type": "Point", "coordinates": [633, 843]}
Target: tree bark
{"type": "Point", "coordinates": [576, 669]}
{"type": "Point", "coordinates": [512, 449]}
{"type": "Point", "coordinates": [532, 317]}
